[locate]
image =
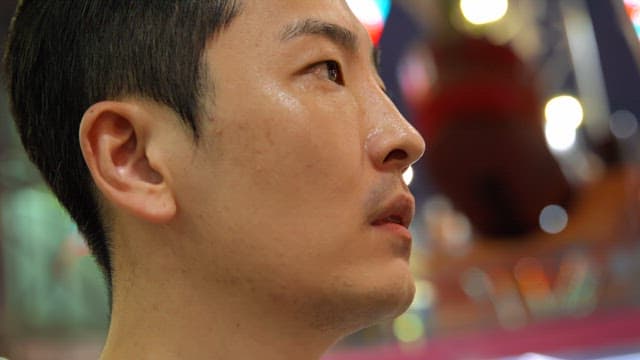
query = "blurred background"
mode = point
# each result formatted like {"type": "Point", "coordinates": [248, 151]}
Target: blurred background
{"type": "Point", "coordinates": [527, 234]}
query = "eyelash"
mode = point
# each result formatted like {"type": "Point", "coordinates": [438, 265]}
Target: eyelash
{"type": "Point", "coordinates": [333, 69]}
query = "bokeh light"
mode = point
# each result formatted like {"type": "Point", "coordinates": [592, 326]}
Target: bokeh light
{"type": "Point", "coordinates": [535, 287]}
{"type": "Point", "coordinates": [477, 284]}
{"type": "Point", "coordinates": [623, 124]}
{"type": "Point", "coordinates": [560, 138]}
{"type": "Point", "coordinates": [480, 12]}
{"type": "Point", "coordinates": [564, 115]}
{"type": "Point", "coordinates": [408, 328]}
{"type": "Point", "coordinates": [553, 219]}
{"type": "Point", "coordinates": [425, 296]}
{"type": "Point", "coordinates": [373, 14]}
{"type": "Point", "coordinates": [566, 109]}
{"type": "Point", "coordinates": [533, 356]}
{"type": "Point", "coordinates": [633, 11]}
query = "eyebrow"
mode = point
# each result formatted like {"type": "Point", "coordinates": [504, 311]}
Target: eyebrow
{"type": "Point", "coordinates": [337, 34]}
{"type": "Point", "coordinates": [342, 36]}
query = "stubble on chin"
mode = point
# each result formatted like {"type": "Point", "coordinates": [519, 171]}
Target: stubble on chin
{"type": "Point", "coordinates": [347, 309]}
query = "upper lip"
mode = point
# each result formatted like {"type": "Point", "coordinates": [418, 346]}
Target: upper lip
{"type": "Point", "coordinates": [399, 210]}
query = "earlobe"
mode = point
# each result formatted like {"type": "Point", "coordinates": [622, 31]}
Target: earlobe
{"type": "Point", "coordinates": [114, 138]}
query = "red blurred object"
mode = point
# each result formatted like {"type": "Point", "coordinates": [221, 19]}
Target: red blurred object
{"type": "Point", "coordinates": [633, 9]}
{"type": "Point", "coordinates": [487, 152]}
{"type": "Point", "coordinates": [473, 76]}
{"type": "Point", "coordinates": [375, 31]}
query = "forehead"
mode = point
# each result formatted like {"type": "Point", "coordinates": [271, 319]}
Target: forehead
{"type": "Point", "coordinates": [267, 20]}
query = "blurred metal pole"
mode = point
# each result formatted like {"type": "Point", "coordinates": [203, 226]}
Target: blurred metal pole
{"type": "Point", "coordinates": [585, 57]}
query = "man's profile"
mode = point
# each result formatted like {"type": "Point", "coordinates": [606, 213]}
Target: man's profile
{"type": "Point", "coordinates": [235, 166]}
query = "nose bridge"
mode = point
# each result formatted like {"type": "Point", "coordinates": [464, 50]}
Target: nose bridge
{"type": "Point", "coordinates": [392, 142]}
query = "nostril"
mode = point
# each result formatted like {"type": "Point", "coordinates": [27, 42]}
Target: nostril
{"type": "Point", "coordinates": [396, 154]}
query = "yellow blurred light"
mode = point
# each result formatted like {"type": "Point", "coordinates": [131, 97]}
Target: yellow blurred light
{"type": "Point", "coordinates": [480, 12]}
{"type": "Point", "coordinates": [425, 296]}
{"type": "Point", "coordinates": [408, 176]}
{"type": "Point", "coordinates": [408, 328]}
{"type": "Point", "coordinates": [564, 114]}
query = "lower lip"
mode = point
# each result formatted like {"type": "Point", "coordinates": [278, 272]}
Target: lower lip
{"type": "Point", "coordinates": [401, 232]}
{"type": "Point", "coordinates": [395, 228]}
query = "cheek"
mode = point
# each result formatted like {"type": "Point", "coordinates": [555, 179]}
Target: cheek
{"type": "Point", "coordinates": [327, 140]}
{"type": "Point", "coordinates": [284, 188]}
{"type": "Point", "coordinates": [323, 165]}
{"type": "Point", "coordinates": [296, 143]}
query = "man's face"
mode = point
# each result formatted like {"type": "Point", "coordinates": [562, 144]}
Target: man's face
{"type": "Point", "coordinates": [292, 192]}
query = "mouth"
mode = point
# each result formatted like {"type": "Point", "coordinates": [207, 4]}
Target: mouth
{"type": "Point", "coordinates": [391, 219]}
{"type": "Point", "coordinates": [398, 211]}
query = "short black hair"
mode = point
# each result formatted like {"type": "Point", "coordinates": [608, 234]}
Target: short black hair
{"type": "Point", "coordinates": [63, 56]}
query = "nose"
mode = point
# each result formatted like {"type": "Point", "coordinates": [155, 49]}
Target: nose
{"type": "Point", "coordinates": [393, 143]}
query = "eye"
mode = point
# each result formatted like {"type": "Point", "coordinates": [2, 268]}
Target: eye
{"type": "Point", "coordinates": [335, 72]}
{"type": "Point", "coordinates": [330, 70]}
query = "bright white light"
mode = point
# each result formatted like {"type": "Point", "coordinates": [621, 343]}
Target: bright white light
{"type": "Point", "coordinates": [560, 138]}
{"type": "Point", "coordinates": [479, 12]}
{"type": "Point", "coordinates": [553, 219]}
{"type": "Point", "coordinates": [564, 115]}
{"type": "Point", "coordinates": [366, 11]}
{"type": "Point", "coordinates": [532, 356]}
{"type": "Point", "coordinates": [408, 176]}
{"type": "Point", "coordinates": [564, 109]}
{"type": "Point", "coordinates": [623, 124]}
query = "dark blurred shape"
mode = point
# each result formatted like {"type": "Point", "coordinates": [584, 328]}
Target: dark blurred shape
{"type": "Point", "coordinates": [7, 8]}
{"type": "Point", "coordinates": [483, 123]}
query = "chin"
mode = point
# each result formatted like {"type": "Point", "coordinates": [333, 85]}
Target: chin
{"type": "Point", "coordinates": [394, 298]}
{"type": "Point", "coordinates": [360, 303]}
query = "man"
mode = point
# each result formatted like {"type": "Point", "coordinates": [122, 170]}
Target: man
{"type": "Point", "coordinates": [242, 187]}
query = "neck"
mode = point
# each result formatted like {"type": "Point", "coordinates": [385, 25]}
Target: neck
{"type": "Point", "coordinates": [173, 318]}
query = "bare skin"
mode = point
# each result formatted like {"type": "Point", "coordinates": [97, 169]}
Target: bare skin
{"type": "Point", "coordinates": [284, 227]}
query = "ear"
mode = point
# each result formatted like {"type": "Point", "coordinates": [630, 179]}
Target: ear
{"type": "Point", "coordinates": [115, 137]}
